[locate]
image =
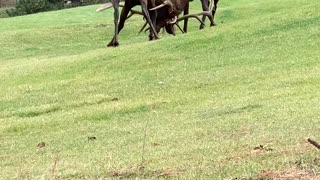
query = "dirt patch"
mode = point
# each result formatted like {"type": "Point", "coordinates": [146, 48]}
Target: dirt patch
{"type": "Point", "coordinates": [135, 173]}
{"type": "Point", "coordinates": [266, 149]}
{"type": "Point", "coordinates": [293, 173]}
{"type": "Point", "coordinates": [290, 174]}
{"type": "Point", "coordinates": [260, 150]}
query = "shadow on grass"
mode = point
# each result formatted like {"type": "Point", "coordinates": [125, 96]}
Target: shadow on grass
{"type": "Point", "coordinates": [38, 111]}
{"type": "Point", "coordinates": [143, 108]}
{"type": "Point", "coordinates": [239, 110]}
{"type": "Point", "coordinates": [230, 111]}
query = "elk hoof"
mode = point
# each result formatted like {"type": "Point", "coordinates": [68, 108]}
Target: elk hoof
{"type": "Point", "coordinates": [201, 26]}
{"type": "Point", "coordinates": [213, 24]}
{"type": "Point", "coordinates": [153, 38]}
{"type": "Point", "coordinates": [113, 44]}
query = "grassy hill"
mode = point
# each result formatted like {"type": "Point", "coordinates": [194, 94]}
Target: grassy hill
{"type": "Point", "coordinates": [236, 100]}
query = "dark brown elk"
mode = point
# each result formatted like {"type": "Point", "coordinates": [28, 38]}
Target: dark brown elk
{"type": "Point", "coordinates": [168, 12]}
{"type": "Point", "coordinates": [205, 7]}
{"type": "Point", "coordinates": [161, 15]}
{"type": "Point", "coordinates": [128, 5]}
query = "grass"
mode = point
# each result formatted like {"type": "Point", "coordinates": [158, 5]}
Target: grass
{"type": "Point", "coordinates": [209, 97]}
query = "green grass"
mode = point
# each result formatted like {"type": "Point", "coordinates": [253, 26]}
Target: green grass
{"type": "Point", "coordinates": [209, 97]}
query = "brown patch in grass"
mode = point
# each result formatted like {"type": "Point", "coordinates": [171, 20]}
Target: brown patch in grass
{"type": "Point", "coordinates": [134, 173]}
{"type": "Point", "coordinates": [155, 144]}
{"type": "Point", "coordinates": [290, 174]}
{"type": "Point", "coordinates": [155, 105]}
{"type": "Point", "coordinates": [293, 173]}
{"type": "Point", "coordinates": [262, 150]}
{"type": "Point", "coordinates": [168, 173]}
{"type": "Point", "coordinates": [55, 167]}
{"type": "Point", "coordinates": [299, 148]}
{"type": "Point", "coordinates": [316, 161]}
{"type": "Point", "coordinates": [123, 174]}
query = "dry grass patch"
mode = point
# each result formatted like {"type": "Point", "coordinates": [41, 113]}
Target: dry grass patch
{"type": "Point", "coordinates": [133, 172]}
{"type": "Point", "coordinates": [293, 173]}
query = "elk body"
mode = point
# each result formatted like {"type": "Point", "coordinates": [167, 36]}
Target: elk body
{"type": "Point", "coordinates": [168, 12]}
{"type": "Point", "coordinates": [205, 7]}
{"type": "Point", "coordinates": [179, 4]}
{"type": "Point", "coordinates": [167, 15]}
{"type": "Point", "coordinates": [157, 13]}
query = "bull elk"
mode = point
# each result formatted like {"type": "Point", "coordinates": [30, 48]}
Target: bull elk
{"type": "Point", "coordinates": [171, 9]}
{"type": "Point", "coordinates": [161, 14]}
{"type": "Point", "coordinates": [205, 7]}
{"type": "Point", "coordinates": [128, 5]}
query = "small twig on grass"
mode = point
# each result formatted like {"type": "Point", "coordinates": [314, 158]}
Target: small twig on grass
{"type": "Point", "coordinates": [317, 145]}
{"type": "Point", "coordinates": [141, 167]}
{"type": "Point", "coordinates": [54, 167]}
{"type": "Point", "coordinates": [19, 170]}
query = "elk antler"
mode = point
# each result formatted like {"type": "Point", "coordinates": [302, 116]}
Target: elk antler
{"type": "Point", "coordinates": [212, 7]}
{"type": "Point", "coordinates": [107, 6]}
{"type": "Point", "coordinates": [165, 3]}
{"type": "Point", "coordinates": [133, 12]}
{"type": "Point", "coordinates": [180, 28]}
{"type": "Point", "coordinates": [205, 13]}
{"type": "Point", "coordinates": [145, 24]}
{"type": "Point", "coordinates": [104, 7]}
{"type": "Point", "coordinates": [173, 20]}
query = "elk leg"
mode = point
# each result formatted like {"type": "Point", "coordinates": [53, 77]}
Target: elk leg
{"type": "Point", "coordinates": [115, 4]}
{"type": "Point", "coordinates": [153, 17]}
{"type": "Point", "coordinates": [147, 16]}
{"type": "Point", "coordinates": [124, 13]}
{"type": "Point", "coordinates": [214, 9]}
{"type": "Point", "coordinates": [205, 7]}
{"type": "Point", "coordinates": [185, 23]}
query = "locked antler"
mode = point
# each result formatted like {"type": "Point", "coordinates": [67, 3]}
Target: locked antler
{"type": "Point", "coordinates": [205, 13]}
{"type": "Point", "coordinates": [109, 5]}
{"type": "Point", "coordinates": [165, 3]}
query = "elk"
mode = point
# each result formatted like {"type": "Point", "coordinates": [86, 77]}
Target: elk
{"type": "Point", "coordinates": [169, 28]}
{"type": "Point", "coordinates": [128, 5]}
{"type": "Point", "coordinates": [170, 9]}
{"type": "Point", "coordinates": [205, 8]}
{"type": "Point", "coordinates": [163, 15]}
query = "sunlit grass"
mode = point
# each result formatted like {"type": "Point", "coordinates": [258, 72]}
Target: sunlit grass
{"type": "Point", "coordinates": [209, 97]}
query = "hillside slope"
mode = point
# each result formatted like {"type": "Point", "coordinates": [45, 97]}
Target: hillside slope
{"type": "Point", "coordinates": [231, 101]}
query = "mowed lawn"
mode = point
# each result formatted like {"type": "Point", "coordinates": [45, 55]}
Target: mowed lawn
{"type": "Point", "coordinates": [235, 101]}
